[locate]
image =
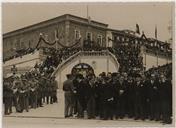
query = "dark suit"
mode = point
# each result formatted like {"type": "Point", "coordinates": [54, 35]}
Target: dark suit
{"type": "Point", "coordinates": [138, 108]}
{"type": "Point", "coordinates": [153, 96]}
{"type": "Point", "coordinates": [165, 94]}
{"type": "Point", "coordinates": [109, 96]}
{"type": "Point", "coordinates": [7, 98]}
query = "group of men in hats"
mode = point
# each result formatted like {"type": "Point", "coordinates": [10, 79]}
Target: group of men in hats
{"type": "Point", "coordinates": [118, 95]}
{"type": "Point", "coordinates": [28, 91]}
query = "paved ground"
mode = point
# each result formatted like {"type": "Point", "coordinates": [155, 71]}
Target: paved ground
{"type": "Point", "coordinates": [15, 122]}
{"type": "Point", "coordinates": [49, 110]}
{"type": "Point", "coordinates": [52, 116]}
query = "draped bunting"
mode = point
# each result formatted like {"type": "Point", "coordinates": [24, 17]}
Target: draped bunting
{"type": "Point", "coordinates": [77, 42]}
{"type": "Point", "coordinates": [56, 41]}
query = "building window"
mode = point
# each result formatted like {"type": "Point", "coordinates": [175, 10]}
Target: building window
{"type": "Point", "coordinates": [77, 34]}
{"type": "Point", "coordinates": [89, 36]}
{"type": "Point", "coordinates": [100, 40]}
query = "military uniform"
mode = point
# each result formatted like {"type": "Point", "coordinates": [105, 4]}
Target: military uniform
{"type": "Point", "coordinates": [68, 88]}
{"type": "Point", "coordinates": [54, 87]}
{"type": "Point", "coordinates": [39, 90]}
{"type": "Point", "coordinates": [7, 97]}
{"type": "Point", "coordinates": [24, 97]}
{"type": "Point", "coordinates": [33, 94]}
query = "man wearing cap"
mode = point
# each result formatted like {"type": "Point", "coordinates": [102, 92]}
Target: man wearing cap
{"type": "Point", "coordinates": [54, 87]}
{"type": "Point", "coordinates": [68, 89]}
{"type": "Point", "coordinates": [24, 96]}
{"type": "Point", "coordinates": [33, 94]}
{"type": "Point", "coordinates": [7, 97]}
{"type": "Point", "coordinates": [39, 90]}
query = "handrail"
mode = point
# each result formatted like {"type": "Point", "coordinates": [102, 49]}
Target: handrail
{"type": "Point", "coordinates": [63, 63]}
{"type": "Point", "coordinates": [114, 58]}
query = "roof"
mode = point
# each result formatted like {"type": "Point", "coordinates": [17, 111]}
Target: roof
{"type": "Point", "coordinates": [127, 32]}
{"type": "Point", "coordinates": [54, 21]}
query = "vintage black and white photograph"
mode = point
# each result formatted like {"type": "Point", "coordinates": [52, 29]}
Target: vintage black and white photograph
{"type": "Point", "coordinates": [87, 64]}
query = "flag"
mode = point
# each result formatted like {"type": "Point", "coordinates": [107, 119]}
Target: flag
{"type": "Point", "coordinates": [137, 29]}
{"type": "Point", "coordinates": [155, 32]}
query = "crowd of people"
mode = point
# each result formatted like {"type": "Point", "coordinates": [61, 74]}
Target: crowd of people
{"type": "Point", "coordinates": [118, 95]}
{"type": "Point", "coordinates": [166, 69]}
{"type": "Point", "coordinates": [28, 91]}
{"type": "Point", "coordinates": [129, 57]}
{"type": "Point", "coordinates": [128, 93]}
{"type": "Point", "coordinates": [158, 46]}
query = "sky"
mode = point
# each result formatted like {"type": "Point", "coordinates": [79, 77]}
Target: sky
{"type": "Point", "coordinates": [117, 15]}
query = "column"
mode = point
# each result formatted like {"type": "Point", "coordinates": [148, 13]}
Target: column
{"type": "Point", "coordinates": [67, 27]}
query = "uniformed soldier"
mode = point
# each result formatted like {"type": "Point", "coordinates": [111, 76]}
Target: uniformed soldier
{"type": "Point", "coordinates": [54, 87]}
{"type": "Point", "coordinates": [42, 85]}
{"type": "Point", "coordinates": [16, 84]}
{"type": "Point", "coordinates": [24, 95]}
{"type": "Point", "coordinates": [47, 90]}
{"type": "Point", "coordinates": [7, 97]}
{"type": "Point", "coordinates": [39, 95]}
{"type": "Point", "coordinates": [68, 89]}
{"type": "Point", "coordinates": [33, 94]}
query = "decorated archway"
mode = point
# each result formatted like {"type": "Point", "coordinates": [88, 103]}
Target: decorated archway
{"type": "Point", "coordinates": [82, 68]}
